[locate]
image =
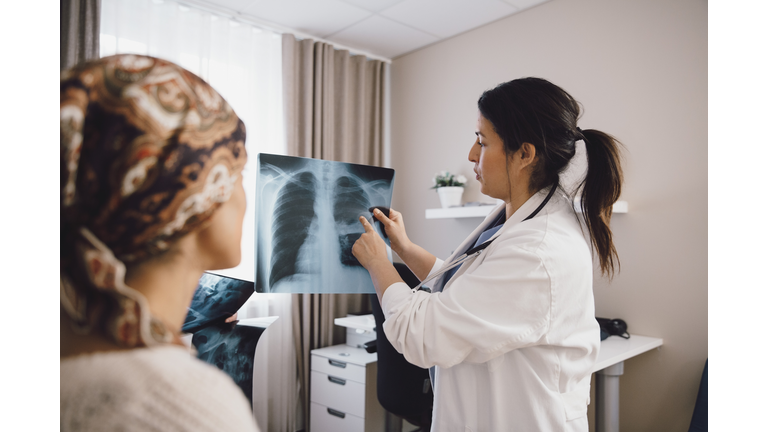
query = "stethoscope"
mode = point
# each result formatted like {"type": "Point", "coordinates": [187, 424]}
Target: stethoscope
{"type": "Point", "coordinates": [475, 251]}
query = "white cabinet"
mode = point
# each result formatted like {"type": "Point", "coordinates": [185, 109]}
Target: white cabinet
{"type": "Point", "coordinates": [343, 391]}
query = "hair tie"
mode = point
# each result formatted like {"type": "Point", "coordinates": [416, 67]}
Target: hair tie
{"type": "Point", "coordinates": [578, 136]}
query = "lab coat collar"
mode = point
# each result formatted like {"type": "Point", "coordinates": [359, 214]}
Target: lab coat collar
{"type": "Point", "coordinates": [521, 213]}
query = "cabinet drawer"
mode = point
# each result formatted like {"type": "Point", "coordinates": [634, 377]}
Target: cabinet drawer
{"type": "Point", "coordinates": [324, 420]}
{"type": "Point", "coordinates": [338, 368]}
{"type": "Point", "coordinates": [344, 395]}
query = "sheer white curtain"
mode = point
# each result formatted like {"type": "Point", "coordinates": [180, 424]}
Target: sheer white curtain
{"type": "Point", "coordinates": [242, 63]}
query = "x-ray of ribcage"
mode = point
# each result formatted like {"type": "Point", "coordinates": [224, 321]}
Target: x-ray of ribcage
{"type": "Point", "coordinates": [307, 221]}
{"type": "Point", "coordinates": [216, 299]}
{"type": "Point", "coordinates": [231, 348]}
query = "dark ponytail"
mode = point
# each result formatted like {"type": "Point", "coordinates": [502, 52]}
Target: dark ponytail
{"type": "Point", "coordinates": [535, 111]}
{"type": "Point", "coordinates": [599, 190]}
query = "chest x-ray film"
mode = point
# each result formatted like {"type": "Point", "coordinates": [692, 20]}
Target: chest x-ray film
{"type": "Point", "coordinates": [216, 299]}
{"type": "Point", "coordinates": [231, 347]}
{"type": "Point", "coordinates": [307, 214]}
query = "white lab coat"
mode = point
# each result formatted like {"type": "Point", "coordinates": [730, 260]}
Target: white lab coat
{"type": "Point", "coordinates": [513, 334]}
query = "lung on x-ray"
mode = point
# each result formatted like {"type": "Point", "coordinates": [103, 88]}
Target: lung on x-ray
{"type": "Point", "coordinates": [216, 299]}
{"type": "Point", "coordinates": [307, 219]}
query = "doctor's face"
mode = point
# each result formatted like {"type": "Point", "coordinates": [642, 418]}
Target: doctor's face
{"type": "Point", "coordinates": [490, 161]}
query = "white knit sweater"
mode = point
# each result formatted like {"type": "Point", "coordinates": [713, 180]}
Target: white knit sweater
{"type": "Point", "coordinates": [150, 389]}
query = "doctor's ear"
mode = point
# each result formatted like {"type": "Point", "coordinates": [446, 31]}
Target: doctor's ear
{"type": "Point", "coordinates": [527, 154]}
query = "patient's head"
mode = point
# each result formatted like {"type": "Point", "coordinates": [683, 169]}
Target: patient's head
{"type": "Point", "coordinates": [150, 155]}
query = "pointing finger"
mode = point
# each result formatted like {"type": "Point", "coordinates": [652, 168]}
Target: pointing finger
{"type": "Point", "coordinates": [366, 225]}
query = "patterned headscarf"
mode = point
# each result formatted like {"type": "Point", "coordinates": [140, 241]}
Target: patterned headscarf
{"type": "Point", "coordinates": [149, 151]}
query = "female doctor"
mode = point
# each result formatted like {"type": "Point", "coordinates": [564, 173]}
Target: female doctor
{"type": "Point", "coordinates": [511, 331]}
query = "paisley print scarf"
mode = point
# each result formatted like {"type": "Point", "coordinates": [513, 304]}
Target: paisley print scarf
{"type": "Point", "coordinates": [149, 151]}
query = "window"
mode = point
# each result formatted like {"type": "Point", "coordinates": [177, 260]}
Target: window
{"type": "Point", "coordinates": [241, 62]}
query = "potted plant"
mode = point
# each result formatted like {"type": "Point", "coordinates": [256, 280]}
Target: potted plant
{"type": "Point", "coordinates": [449, 188]}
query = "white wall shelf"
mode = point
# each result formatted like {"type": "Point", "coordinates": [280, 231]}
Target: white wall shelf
{"type": "Point", "coordinates": [483, 211]}
{"type": "Point", "coordinates": [459, 212]}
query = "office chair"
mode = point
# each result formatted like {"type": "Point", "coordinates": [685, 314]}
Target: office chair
{"type": "Point", "coordinates": [699, 420]}
{"type": "Point", "coordinates": [403, 389]}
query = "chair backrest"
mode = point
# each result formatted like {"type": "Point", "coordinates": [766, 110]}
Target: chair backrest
{"type": "Point", "coordinates": [700, 419]}
{"type": "Point", "coordinates": [403, 389]}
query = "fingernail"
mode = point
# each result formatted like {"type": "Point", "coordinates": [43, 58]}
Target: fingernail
{"type": "Point", "coordinates": [377, 211]}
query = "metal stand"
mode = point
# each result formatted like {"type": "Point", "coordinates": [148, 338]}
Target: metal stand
{"type": "Point", "coordinates": [607, 398]}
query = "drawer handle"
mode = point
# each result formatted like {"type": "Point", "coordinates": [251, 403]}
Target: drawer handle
{"type": "Point", "coordinates": [337, 363]}
{"type": "Point", "coordinates": [337, 380]}
{"type": "Point", "coordinates": [333, 412]}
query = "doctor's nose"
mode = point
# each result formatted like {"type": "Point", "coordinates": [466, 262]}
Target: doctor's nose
{"type": "Point", "coordinates": [473, 151]}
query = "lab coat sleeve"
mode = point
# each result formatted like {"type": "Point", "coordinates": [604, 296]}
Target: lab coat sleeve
{"type": "Point", "coordinates": [497, 305]}
{"type": "Point", "coordinates": [435, 268]}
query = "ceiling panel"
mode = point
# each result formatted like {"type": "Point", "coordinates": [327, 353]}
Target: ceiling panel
{"type": "Point", "coordinates": [445, 18]}
{"type": "Point", "coordinates": [383, 37]}
{"type": "Point", "coordinates": [235, 5]}
{"type": "Point", "coordinates": [316, 17]}
{"type": "Point", "coordinates": [384, 28]}
{"type": "Point", "coordinates": [525, 4]}
{"type": "Point", "coordinates": [372, 5]}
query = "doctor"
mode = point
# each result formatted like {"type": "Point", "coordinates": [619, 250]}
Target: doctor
{"type": "Point", "coordinates": [511, 331]}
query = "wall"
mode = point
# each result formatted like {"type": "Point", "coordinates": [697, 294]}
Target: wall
{"type": "Point", "coordinates": [640, 70]}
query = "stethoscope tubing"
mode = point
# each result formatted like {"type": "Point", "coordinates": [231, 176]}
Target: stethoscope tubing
{"type": "Point", "coordinates": [454, 263]}
{"type": "Point", "coordinates": [475, 251]}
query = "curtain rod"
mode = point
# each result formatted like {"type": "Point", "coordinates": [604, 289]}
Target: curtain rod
{"type": "Point", "coordinates": [270, 26]}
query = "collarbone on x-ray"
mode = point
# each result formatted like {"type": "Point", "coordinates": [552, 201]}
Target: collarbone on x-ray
{"type": "Point", "coordinates": [308, 221]}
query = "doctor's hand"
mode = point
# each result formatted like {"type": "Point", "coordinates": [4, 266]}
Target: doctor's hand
{"type": "Point", "coordinates": [395, 229]}
{"type": "Point", "coordinates": [371, 251]}
{"type": "Point", "coordinates": [370, 247]}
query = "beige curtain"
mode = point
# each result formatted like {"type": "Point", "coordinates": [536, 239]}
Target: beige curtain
{"type": "Point", "coordinates": [79, 32]}
{"type": "Point", "coordinates": [333, 111]}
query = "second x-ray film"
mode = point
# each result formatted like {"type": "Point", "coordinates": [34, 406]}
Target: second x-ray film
{"type": "Point", "coordinates": [307, 221]}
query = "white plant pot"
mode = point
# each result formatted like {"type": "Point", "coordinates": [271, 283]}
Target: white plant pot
{"type": "Point", "coordinates": [450, 196]}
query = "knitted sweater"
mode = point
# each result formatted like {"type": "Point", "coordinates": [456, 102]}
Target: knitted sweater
{"type": "Point", "coordinates": [150, 389]}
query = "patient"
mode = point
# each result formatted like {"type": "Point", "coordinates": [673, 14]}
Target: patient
{"type": "Point", "coordinates": [151, 196]}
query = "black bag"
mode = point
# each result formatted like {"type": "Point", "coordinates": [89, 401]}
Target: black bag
{"type": "Point", "coordinates": [612, 327]}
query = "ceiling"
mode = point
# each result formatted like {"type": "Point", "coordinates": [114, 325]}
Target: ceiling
{"type": "Point", "coordinates": [381, 28]}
